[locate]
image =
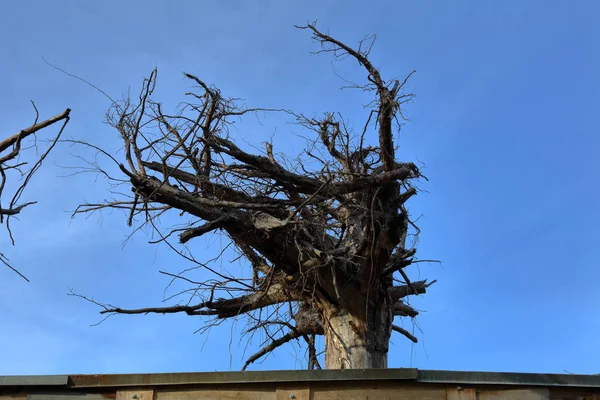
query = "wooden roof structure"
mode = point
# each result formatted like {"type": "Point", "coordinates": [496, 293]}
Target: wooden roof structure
{"type": "Point", "coordinates": [371, 384]}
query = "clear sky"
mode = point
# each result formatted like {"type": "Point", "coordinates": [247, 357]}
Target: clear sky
{"type": "Point", "coordinates": [503, 120]}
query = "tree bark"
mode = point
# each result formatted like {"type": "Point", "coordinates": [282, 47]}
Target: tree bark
{"type": "Point", "coordinates": [355, 342]}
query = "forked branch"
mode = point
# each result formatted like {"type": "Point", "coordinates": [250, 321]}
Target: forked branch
{"type": "Point", "coordinates": [11, 149]}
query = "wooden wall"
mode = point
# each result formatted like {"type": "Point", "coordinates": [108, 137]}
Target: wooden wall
{"type": "Point", "coordinates": [372, 390]}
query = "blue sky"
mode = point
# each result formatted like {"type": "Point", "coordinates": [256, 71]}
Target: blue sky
{"type": "Point", "coordinates": [503, 119]}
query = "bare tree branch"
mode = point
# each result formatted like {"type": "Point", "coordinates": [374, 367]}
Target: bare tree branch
{"type": "Point", "coordinates": [406, 333]}
{"type": "Point", "coordinates": [12, 148]}
{"type": "Point", "coordinates": [272, 346]}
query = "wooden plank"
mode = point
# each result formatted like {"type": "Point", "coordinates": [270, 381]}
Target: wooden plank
{"type": "Point", "coordinates": [217, 394]}
{"type": "Point", "coordinates": [574, 394]}
{"type": "Point", "coordinates": [515, 394]}
{"type": "Point", "coordinates": [292, 392]}
{"type": "Point", "coordinates": [376, 391]}
{"type": "Point", "coordinates": [65, 396]}
{"type": "Point", "coordinates": [144, 394]}
{"type": "Point", "coordinates": [13, 397]}
{"type": "Point", "coordinates": [461, 394]}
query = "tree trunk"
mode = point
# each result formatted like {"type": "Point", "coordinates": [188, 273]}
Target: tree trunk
{"type": "Point", "coordinates": [352, 342]}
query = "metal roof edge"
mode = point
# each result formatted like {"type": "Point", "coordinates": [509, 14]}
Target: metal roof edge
{"type": "Point", "coordinates": [213, 378]}
{"type": "Point", "coordinates": [283, 376]}
{"type": "Point", "coordinates": [508, 378]}
{"type": "Point", "coordinates": [34, 380]}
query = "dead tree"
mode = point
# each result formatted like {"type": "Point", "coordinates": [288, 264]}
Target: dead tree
{"type": "Point", "coordinates": [325, 236]}
{"type": "Point", "coordinates": [11, 151]}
